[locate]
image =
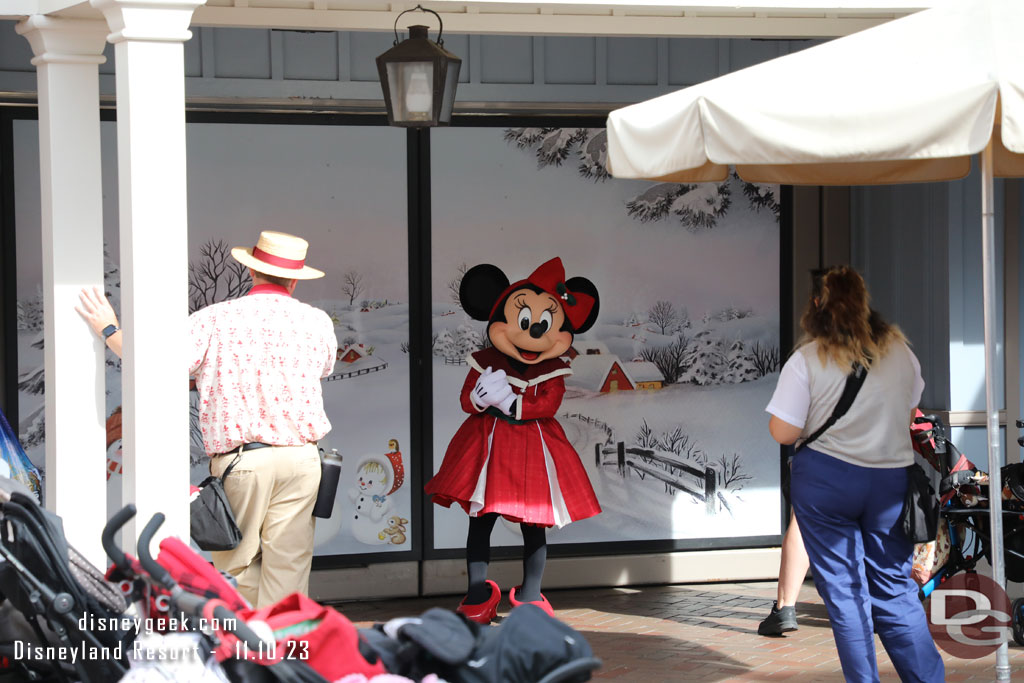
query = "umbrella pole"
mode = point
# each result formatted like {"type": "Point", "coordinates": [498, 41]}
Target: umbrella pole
{"type": "Point", "coordinates": [995, 462]}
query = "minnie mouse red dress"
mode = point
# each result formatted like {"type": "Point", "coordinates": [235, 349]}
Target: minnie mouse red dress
{"type": "Point", "coordinates": [522, 466]}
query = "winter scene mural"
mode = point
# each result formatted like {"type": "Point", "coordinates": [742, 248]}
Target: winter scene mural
{"type": "Point", "coordinates": [665, 405]}
{"type": "Point", "coordinates": [331, 185]}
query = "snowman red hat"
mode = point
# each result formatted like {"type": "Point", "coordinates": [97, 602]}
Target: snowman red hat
{"type": "Point", "coordinates": [394, 457]}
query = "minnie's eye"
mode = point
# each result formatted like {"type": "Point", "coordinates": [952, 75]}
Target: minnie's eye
{"type": "Point", "coordinates": [545, 321]}
{"type": "Point", "coordinates": [525, 317]}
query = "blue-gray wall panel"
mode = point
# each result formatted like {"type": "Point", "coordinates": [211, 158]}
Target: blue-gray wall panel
{"type": "Point", "coordinates": [692, 60]}
{"type": "Point", "coordinates": [506, 59]}
{"type": "Point", "coordinates": [364, 48]}
{"type": "Point", "coordinates": [458, 45]}
{"type": "Point", "coordinates": [898, 240]}
{"type": "Point", "coordinates": [194, 55]}
{"type": "Point", "coordinates": [632, 61]}
{"type": "Point", "coordinates": [570, 60]}
{"type": "Point", "coordinates": [108, 67]}
{"type": "Point", "coordinates": [241, 53]}
{"type": "Point", "coordinates": [966, 328]}
{"type": "Point", "coordinates": [15, 53]}
{"type": "Point", "coordinates": [310, 55]}
{"type": "Point", "coordinates": [748, 51]}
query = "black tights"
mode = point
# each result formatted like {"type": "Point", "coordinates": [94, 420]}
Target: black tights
{"type": "Point", "coordinates": [478, 556]}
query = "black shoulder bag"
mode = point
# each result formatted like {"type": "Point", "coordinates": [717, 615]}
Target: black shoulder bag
{"type": "Point", "coordinates": [854, 381]}
{"type": "Point", "coordinates": [213, 525]}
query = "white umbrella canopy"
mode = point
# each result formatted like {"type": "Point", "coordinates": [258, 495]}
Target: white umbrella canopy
{"type": "Point", "coordinates": [908, 101]}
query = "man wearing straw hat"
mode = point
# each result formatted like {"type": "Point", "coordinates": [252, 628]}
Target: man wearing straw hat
{"type": "Point", "coordinates": [257, 362]}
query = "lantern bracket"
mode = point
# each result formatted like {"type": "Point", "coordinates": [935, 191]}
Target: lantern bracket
{"type": "Point", "coordinates": [421, 8]}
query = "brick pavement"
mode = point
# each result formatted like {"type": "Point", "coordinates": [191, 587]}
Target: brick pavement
{"type": "Point", "coordinates": [705, 632]}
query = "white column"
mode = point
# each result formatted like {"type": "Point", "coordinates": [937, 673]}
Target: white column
{"type": "Point", "coordinates": [67, 54]}
{"type": "Point", "coordinates": [148, 37]}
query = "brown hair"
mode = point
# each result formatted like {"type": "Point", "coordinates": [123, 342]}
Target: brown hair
{"type": "Point", "coordinates": [839, 317]}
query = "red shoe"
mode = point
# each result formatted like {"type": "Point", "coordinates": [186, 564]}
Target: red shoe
{"type": "Point", "coordinates": [542, 603]}
{"type": "Point", "coordinates": [485, 612]}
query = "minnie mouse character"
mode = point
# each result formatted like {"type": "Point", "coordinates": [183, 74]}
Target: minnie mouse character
{"type": "Point", "coordinates": [511, 457]}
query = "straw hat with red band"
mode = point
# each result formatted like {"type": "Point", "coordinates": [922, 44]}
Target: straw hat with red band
{"type": "Point", "coordinates": [550, 278]}
{"type": "Point", "coordinates": [278, 254]}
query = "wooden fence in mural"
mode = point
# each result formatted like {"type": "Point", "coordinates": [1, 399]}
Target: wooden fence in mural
{"type": "Point", "coordinates": [356, 373]}
{"type": "Point", "coordinates": [600, 424]}
{"type": "Point", "coordinates": [644, 460]}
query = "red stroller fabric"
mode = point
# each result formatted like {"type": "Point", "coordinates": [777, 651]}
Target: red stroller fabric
{"type": "Point", "coordinates": [308, 631]}
{"type": "Point", "coordinates": [196, 575]}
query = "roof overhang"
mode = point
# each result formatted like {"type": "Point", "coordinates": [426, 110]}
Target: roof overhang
{"type": "Point", "coordinates": [706, 18]}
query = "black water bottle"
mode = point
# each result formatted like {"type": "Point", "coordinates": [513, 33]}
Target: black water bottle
{"type": "Point", "coordinates": [330, 470]}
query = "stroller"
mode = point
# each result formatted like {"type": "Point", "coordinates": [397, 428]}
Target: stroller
{"type": "Point", "coordinates": [300, 641]}
{"type": "Point", "coordinates": [964, 513]}
{"type": "Point", "coordinates": [59, 619]}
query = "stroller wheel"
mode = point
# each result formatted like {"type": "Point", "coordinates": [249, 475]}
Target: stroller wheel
{"type": "Point", "coordinates": [1018, 620]}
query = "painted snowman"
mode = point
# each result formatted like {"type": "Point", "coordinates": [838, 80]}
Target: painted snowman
{"type": "Point", "coordinates": [377, 477]}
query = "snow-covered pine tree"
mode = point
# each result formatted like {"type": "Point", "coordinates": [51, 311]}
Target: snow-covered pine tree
{"type": "Point", "coordinates": [594, 155]}
{"type": "Point", "coordinates": [524, 138]}
{"type": "Point", "coordinates": [702, 206]}
{"type": "Point", "coordinates": [762, 197]}
{"type": "Point", "coordinates": [558, 145]}
{"type": "Point", "coordinates": [708, 364]}
{"type": "Point", "coordinates": [30, 313]}
{"type": "Point", "coordinates": [467, 340]}
{"type": "Point", "coordinates": [656, 201]}
{"type": "Point", "coordinates": [446, 346]}
{"type": "Point", "coordinates": [740, 366]}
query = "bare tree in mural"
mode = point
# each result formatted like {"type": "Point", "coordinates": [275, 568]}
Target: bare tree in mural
{"type": "Point", "coordinates": [672, 360]}
{"type": "Point", "coordinates": [216, 276]}
{"type": "Point", "coordinates": [663, 314]}
{"type": "Point", "coordinates": [352, 285]}
{"type": "Point", "coordinates": [455, 283]}
{"type": "Point", "coordinates": [696, 207]}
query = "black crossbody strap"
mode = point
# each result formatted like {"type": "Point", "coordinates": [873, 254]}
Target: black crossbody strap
{"type": "Point", "coordinates": [227, 470]}
{"type": "Point", "coordinates": [854, 381]}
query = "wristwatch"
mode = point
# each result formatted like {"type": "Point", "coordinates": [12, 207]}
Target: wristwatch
{"type": "Point", "coordinates": [109, 330]}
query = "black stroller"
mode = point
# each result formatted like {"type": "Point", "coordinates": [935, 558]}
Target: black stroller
{"type": "Point", "coordinates": [51, 600]}
{"type": "Point", "coordinates": [964, 493]}
{"type": "Point", "coordinates": [529, 647]}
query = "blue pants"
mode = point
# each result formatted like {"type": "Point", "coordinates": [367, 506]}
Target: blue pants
{"type": "Point", "coordinates": [849, 519]}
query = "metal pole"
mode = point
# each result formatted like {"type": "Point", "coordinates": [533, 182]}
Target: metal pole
{"type": "Point", "coordinates": [995, 462]}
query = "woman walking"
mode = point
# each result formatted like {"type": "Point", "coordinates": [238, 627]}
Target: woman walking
{"type": "Point", "coordinates": [848, 487]}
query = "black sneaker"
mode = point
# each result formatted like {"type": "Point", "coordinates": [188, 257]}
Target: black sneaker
{"type": "Point", "coordinates": [778, 622]}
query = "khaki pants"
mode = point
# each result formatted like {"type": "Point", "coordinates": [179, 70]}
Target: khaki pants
{"type": "Point", "coordinates": [272, 492]}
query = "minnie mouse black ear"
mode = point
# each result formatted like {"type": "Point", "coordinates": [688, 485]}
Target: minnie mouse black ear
{"type": "Point", "coordinates": [480, 288]}
{"type": "Point", "coordinates": [585, 286]}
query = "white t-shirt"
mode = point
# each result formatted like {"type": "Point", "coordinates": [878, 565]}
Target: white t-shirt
{"type": "Point", "coordinates": [875, 431]}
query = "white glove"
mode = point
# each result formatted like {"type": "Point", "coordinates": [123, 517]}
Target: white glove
{"type": "Point", "coordinates": [506, 405]}
{"type": "Point", "coordinates": [491, 389]}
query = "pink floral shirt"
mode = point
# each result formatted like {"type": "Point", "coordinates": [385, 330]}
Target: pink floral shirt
{"type": "Point", "coordinates": [258, 362]}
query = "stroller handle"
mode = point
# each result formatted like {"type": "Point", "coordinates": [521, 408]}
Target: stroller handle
{"type": "Point", "coordinates": [152, 567]}
{"type": "Point", "coordinates": [111, 528]}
